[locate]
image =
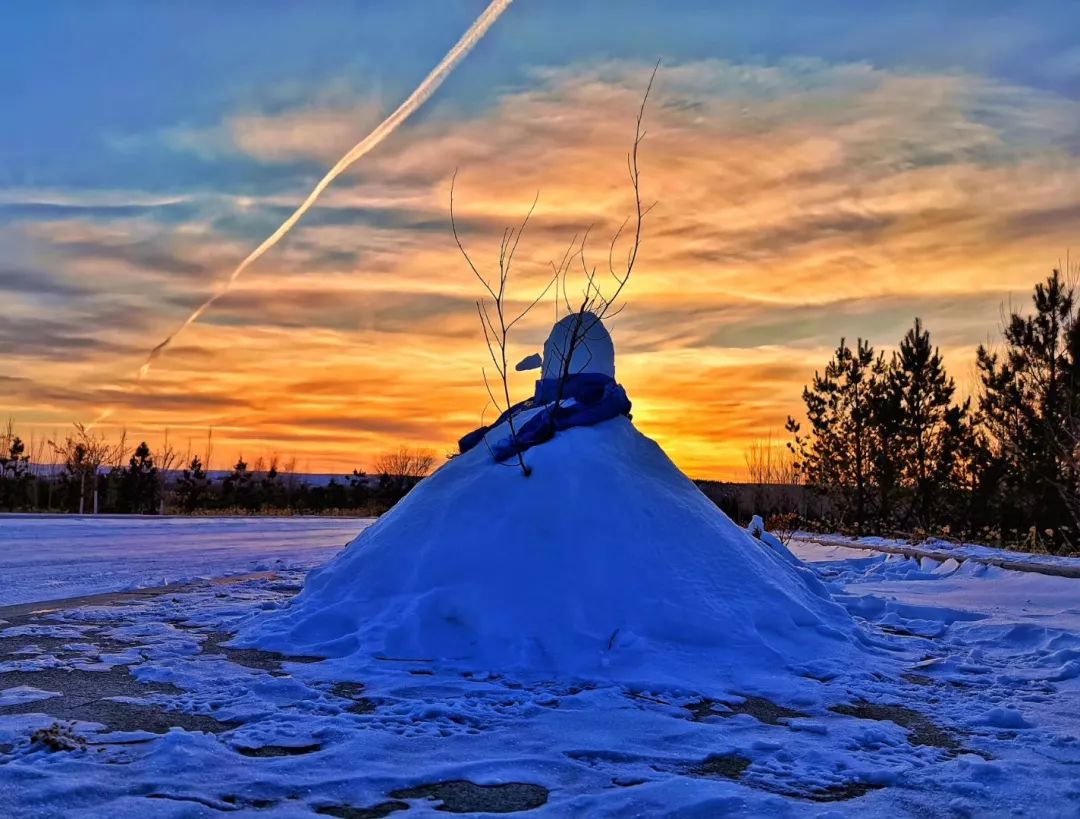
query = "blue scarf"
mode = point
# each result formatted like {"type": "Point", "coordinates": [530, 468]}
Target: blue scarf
{"type": "Point", "coordinates": [596, 398]}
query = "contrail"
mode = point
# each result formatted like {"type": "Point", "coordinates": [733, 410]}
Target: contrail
{"type": "Point", "coordinates": [417, 98]}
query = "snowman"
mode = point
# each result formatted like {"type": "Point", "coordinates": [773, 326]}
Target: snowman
{"type": "Point", "coordinates": [576, 388]}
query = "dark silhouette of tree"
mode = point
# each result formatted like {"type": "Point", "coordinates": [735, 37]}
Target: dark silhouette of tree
{"type": "Point", "coordinates": [1029, 409]}
{"type": "Point", "coordinates": [90, 473]}
{"type": "Point", "coordinates": [193, 487]}
{"type": "Point", "coordinates": [139, 484]}
{"type": "Point", "coordinates": [886, 441]}
{"type": "Point", "coordinates": [401, 469]}
{"type": "Point", "coordinates": [236, 487]}
{"type": "Point", "coordinates": [82, 455]}
{"type": "Point", "coordinates": [337, 495]}
{"type": "Point", "coordinates": [271, 488]}
{"type": "Point", "coordinates": [928, 435]}
{"type": "Point", "coordinates": [885, 466]}
{"type": "Point", "coordinates": [166, 456]}
{"type": "Point", "coordinates": [837, 454]}
{"type": "Point", "coordinates": [359, 489]}
{"type": "Point", "coordinates": [15, 477]}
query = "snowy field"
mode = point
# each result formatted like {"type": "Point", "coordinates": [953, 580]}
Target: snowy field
{"type": "Point", "coordinates": [971, 707]}
{"type": "Point", "coordinates": [55, 557]}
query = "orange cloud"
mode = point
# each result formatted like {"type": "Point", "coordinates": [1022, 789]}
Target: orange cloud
{"type": "Point", "coordinates": [796, 203]}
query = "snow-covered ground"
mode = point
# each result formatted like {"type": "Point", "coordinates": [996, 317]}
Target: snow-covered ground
{"type": "Point", "coordinates": [941, 550]}
{"type": "Point", "coordinates": [967, 704]}
{"type": "Point", "coordinates": [53, 557]}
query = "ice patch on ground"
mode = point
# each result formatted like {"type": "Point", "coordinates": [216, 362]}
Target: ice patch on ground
{"type": "Point", "coordinates": [24, 693]}
{"type": "Point", "coordinates": [50, 557]}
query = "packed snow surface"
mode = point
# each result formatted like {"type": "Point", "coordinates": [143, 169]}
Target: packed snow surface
{"type": "Point", "coordinates": [976, 714]}
{"type": "Point", "coordinates": [53, 557]}
{"type": "Point", "coordinates": [756, 529]}
{"type": "Point", "coordinates": [606, 560]}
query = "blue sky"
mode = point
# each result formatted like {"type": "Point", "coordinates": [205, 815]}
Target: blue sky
{"type": "Point", "coordinates": [81, 76]}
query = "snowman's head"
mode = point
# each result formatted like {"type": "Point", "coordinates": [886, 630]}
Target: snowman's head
{"type": "Point", "coordinates": [593, 351]}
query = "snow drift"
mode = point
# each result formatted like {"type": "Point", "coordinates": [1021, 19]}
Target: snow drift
{"type": "Point", "coordinates": [606, 561]}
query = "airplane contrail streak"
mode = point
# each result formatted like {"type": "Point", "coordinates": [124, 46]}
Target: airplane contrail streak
{"type": "Point", "coordinates": [417, 98]}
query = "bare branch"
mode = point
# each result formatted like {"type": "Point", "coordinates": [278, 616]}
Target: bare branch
{"type": "Point", "coordinates": [594, 304]}
{"type": "Point", "coordinates": [496, 328]}
{"type": "Point", "coordinates": [457, 238]}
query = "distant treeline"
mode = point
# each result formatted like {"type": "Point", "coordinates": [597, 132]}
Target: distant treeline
{"type": "Point", "coordinates": [889, 447]}
{"type": "Point", "coordinates": [88, 474]}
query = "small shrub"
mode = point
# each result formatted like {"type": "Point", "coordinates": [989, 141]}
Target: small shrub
{"type": "Point", "coordinates": [783, 525]}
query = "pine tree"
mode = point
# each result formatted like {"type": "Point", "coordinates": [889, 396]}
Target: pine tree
{"type": "Point", "coordinates": [237, 488]}
{"type": "Point", "coordinates": [1030, 408]}
{"type": "Point", "coordinates": [359, 491]}
{"type": "Point", "coordinates": [336, 496]}
{"type": "Point", "coordinates": [272, 492]}
{"type": "Point", "coordinates": [193, 486]}
{"type": "Point", "coordinates": [928, 436]}
{"type": "Point", "coordinates": [139, 488]}
{"type": "Point", "coordinates": [838, 454]}
{"type": "Point", "coordinates": [15, 475]}
{"type": "Point", "coordinates": [885, 467]}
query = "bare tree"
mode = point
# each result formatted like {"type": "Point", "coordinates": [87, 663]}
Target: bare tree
{"type": "Point", "coordinates": [165, 458]}
{"type": "Point", "coordinates": [594, 306]}
{"type": "Point", "coordinates": [38, 453]}
{"type": "Point", "coordinates": [774, 492]}
{"type": "Point", "coordinates": [15, 474]}
{"type": "Point", "coordinates": [83, 454]}
{"type": "Point", "coordinates": [116, 454]}
{"type": "Point", "coordinates": [497, 329]}
{"type": "Point", "coordinates": [7, 435]}
{"type": "Point", "coordinates": [209, 448]}
{"type": "Point", "coordinates": [288, 475]}
{"type": "Point", "coordinates": [52, 467]}
{"type": "Point", "coordinates": [406, 463]}
{"type": "Point", "coordinates": [770, 463]}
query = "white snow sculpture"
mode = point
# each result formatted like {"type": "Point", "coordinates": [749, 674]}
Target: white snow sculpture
{"type": "Point", "coordinates": [593, 353]}
{"type": "Point", "coordinates": [607, 561]}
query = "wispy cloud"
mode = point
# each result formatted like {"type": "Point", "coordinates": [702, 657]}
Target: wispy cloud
{"type": "Point", "coordinates": [797, 202]}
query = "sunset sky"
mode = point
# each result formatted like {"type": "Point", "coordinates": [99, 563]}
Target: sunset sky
{"type": "Point", "coordinates": [820, 169]}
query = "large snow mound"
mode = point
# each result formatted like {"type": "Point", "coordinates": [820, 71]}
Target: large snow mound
{"type": "Point", "coordinates": [606, 561]}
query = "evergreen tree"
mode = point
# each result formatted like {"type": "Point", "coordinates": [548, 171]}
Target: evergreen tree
{"type": "Point", "coordinates": [885, 468]}
{"type": "Point", "coordinates": [15, 475]}
{"type": "Point", "coordinates": [928, 437]}
{"type": "Point", "coordinates": [839, 452]}
{"type": "Point", "coordinates": [236, 488]}
{"type": "Point", "coordinates": [193, 487]}
{"type": "Point", "coordinates": [975, 488]}
{"type": "Point", "coordinates": [359, 491]}
{"type": "Point", "coordinates": [271, 489]}
{"type": "Point", "coordinates": [139, 489]}
{"type": "Point", "coordinates": [1030, 409]}
{"type": "Point", "coordinates": [112, 487]}
{"type": "Point", "coordinates": [79, 469]}
{"type": "Point", "coordinates": [337, 496]}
